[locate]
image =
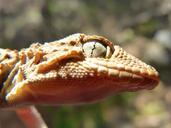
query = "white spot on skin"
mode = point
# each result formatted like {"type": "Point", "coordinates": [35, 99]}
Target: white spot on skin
{"type": "Point", "coordinates": [102, 69]}
{"type": "Point", "coordinates": [113, 72]}
{"type": "Point", "coordinates": [120, 66]}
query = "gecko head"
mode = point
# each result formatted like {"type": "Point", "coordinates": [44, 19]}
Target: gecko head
{"type": "Point", "coordinates": [100, 58]}
{"type": "Point", "coordinates": [77, 69]}
{"type": "Point", "coordinates": [95, 58]}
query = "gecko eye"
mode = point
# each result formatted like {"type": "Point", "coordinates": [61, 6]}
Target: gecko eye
{"type": "Point", "coordinates": [96, 49]}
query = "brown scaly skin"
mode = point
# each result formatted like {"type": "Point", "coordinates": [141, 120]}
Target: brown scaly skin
{"type": "Point", "coordinates": [77, 69]}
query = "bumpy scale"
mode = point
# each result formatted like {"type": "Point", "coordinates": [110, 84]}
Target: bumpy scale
{"type": "Point", "coordinates": [77, 69]}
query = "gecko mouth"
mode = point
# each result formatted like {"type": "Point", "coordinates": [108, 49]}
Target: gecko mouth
{"type": "Point", "coordinates": [122, 76]}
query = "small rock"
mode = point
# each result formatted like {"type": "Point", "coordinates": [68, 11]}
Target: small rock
{"type": "Point", "coordinates": [164, 37]}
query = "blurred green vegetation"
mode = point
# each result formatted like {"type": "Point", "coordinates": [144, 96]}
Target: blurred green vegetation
{"type": "Point", "coordinates": [134, 24]}
{"type": "Point", "coordinates": [91, 115]}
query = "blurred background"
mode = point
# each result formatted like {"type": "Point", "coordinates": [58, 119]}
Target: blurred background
{"type": "Point", "coordinates": [142, 27]}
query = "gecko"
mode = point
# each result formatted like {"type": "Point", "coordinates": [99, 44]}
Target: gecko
{"type": "Point", "coordinates": [77, 69]}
